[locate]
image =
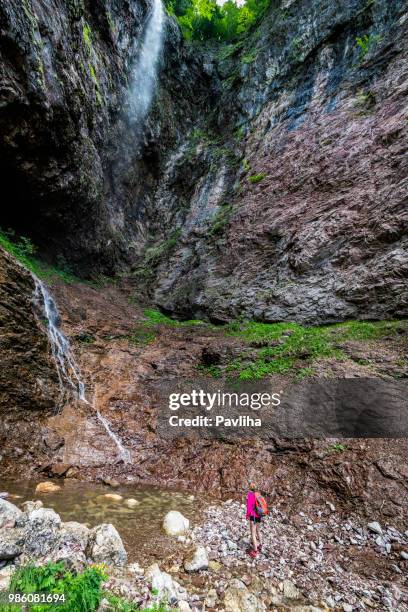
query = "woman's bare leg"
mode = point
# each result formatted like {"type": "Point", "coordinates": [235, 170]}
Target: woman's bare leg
{"type": "Point", "coordinates": [258, 533]}
{"type": "Point", "coordinates": [253, 536]}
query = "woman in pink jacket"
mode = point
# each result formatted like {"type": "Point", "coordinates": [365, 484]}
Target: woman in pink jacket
{"type": "Point", "coordinates": [254, 520]}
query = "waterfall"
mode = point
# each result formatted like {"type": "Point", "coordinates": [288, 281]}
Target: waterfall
{"type": "Point", "coordinates": [67, 368]}
{"type": "Point", "coordinates": [144, 74]}
{"type": "Point", "coordinates": [124, 454]}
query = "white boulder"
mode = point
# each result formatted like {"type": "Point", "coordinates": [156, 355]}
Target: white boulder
{"type": "Point", "coordinates": [175, 524]}
{"type": "Point", "coordinates": [5, 577]}
{"type": "Point", "coordinates": [164, 584]}
{"type": "Point", "coordinates": [11, 543]}
{"type": "Point", "coordinates": [197, 560]}
{"type": "Point", "coordinates": [375, 527]}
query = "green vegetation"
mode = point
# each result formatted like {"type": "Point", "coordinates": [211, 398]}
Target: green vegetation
{"type": "Point", "coordinates": [221, 219]}
{"type": "Point", "coordinates": [246, 165]}
{"type": "Point", "coordinates": [210, 140]}
{"type": "Point", "coordinates": [257, 178]}
{"type": "Point", "coordinates": [337, 448]}
{"type": "Point", "coordinates": [249, 57]}
{"type": "Point", "coordinates": [239, 133]}
{"type": "Point", "coordinates": [24, 251]}
{"type": "Point", "coordinates": [305, 373]}
{"type": "Point", "coordinates": [118, 604]}
{"type": "Point", "coordinates": [210, 370]}
{"type": "Point", "coordinates": [155, 317]}
{"type": "Point", "coordinates": [83, 590]}
{"type": "Point", "coordinates": [366, 43]}
{"type": "Point", "coordinates": [281, 348]}
{"type": "Point", "coordinates": [76, 8]}
{"type": "Point", "coordinates": [205, 19]}
{"type": "Point", "coordinates": [261, 367]}
{"type": "Point", "coordinates": [87, 36]}
{"type": "Point", "coordinates": [365, 102]}
{"type": "Point", "coordinates": [85, 338]}
{"type": "Point", "coordinates": [156, 253]}
{"type": "Point", "coordinates": [141, 337]}
{"type": "Point", "coordinates": [296, 48]}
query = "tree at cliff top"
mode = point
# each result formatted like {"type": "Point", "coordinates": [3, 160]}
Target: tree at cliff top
{"type": "Point", "coordinates": [206, 19]}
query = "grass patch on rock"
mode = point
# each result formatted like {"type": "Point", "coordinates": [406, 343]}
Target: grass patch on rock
{"type": "Point", "coordinates": [155, 317]}
{"type": "Point", "coordinates": [24, 251]}
{"type": "Point", "coordinates": [141, 337]}
{"type": "Point", "coordinates": [292, 348]}
{"type": "Point", "coordinates": [256, 178]}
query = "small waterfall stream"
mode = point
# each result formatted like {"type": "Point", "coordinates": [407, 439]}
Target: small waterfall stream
{"type": "Point", "coordinates": [67, 368]}
{"type": "Point", "coordinates": [143, 82]}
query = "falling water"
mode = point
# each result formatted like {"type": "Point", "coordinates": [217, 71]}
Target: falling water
{"type": "Point", "coordinates": [68, 371]}
{"type": "Point", "coordinates": [124, 454]}
{"type": "Point", "coordinates": [144, 74]}
{"type": "Point", "coordinates": [61, 351]}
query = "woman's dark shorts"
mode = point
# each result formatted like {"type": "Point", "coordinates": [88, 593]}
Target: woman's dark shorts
{"type": "Point", "coordinates": [255, 519]}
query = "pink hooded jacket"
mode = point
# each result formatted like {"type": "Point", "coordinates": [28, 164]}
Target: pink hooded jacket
{"type": "Point", "coordinates": [250, 505]}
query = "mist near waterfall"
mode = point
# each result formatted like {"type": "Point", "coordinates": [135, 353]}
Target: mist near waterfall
{"type": "Point", "coordinates": [144, 74]}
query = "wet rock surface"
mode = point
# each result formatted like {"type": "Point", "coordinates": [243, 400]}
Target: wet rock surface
{"type": "Point", "coordinates": [288, 203]}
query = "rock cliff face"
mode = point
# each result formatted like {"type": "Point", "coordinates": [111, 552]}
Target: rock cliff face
{"type": "Point", "coordinates": [80, 166]}
{"type": "Point", "coordinates": [302, 211]}
{"type": "Point", "coordinates": [268, 180]}
{"type": "Point", "coordinates": [29, 390]}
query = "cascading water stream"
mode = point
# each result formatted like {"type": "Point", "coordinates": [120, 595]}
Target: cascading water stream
{"type": "Point", "coordinates": [143, 81]}
{"type": "Point", "coordinates": [68, 371]}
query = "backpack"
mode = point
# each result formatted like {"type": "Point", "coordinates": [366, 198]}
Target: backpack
{"type": "Point", "coordinates": [261, 507]}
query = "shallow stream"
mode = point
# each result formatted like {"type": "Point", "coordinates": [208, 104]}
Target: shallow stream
{"type": "Point", "coordinates": [140, 526]}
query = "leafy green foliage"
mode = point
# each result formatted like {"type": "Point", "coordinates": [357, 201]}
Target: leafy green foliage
{"type": "Point", "coordinates": [257, 178]}
{"type": "Point", "coordinates": [155, 254]}
{"type": "Point", "coordinates": [85, 338]}
{"type": "Point", "coordinates": [366, 43]}
{"type": "Point", "coordinates": [82, 590]}
{"type": "Point", "coordinates": [118, 604]}
{"type": "Point", "coordinates": [87, 36]}
{"type": "Point", "coordinates": [24, 251]}
{"type": "Point", "coordinates": [205, 19]}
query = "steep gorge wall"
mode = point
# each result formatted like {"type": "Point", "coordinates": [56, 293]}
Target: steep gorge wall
{"type": "Point", "coordinates": [79, 167]}
{"type": "Point", "coordinates": [322, 125]}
